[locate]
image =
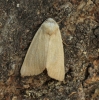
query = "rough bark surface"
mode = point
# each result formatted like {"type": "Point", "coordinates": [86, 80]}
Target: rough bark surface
{"type": "Point", "coordinates": [79, 25]}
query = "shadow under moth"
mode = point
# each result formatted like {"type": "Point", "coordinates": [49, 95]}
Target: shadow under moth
{"type": "Point", "coordinates": [45, 52]}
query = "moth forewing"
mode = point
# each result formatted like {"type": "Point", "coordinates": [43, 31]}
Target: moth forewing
{"type": "Point", "coordinates": [35, 60]}
{"type": "Point", "coordinates": [55, 57]}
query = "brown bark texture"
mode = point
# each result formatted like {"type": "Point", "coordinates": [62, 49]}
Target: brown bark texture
{"type": "Point", "coordinates": [79, 25]}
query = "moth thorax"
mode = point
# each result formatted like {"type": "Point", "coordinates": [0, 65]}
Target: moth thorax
{"type": "Point", "coordinates": [50, 27]}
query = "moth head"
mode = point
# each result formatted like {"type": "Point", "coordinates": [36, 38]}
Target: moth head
{"type": "Point", "coordinates": [50, 26]}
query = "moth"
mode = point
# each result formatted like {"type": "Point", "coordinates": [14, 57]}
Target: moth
{"type": "Point", "coordinates": [45, 52]}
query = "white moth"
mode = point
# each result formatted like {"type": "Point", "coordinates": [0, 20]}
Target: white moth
{"type": "Point", "coordinates": [45, 51]}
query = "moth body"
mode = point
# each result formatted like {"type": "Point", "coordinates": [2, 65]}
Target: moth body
{"type": "Point", "coordinates": [45, 52]}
